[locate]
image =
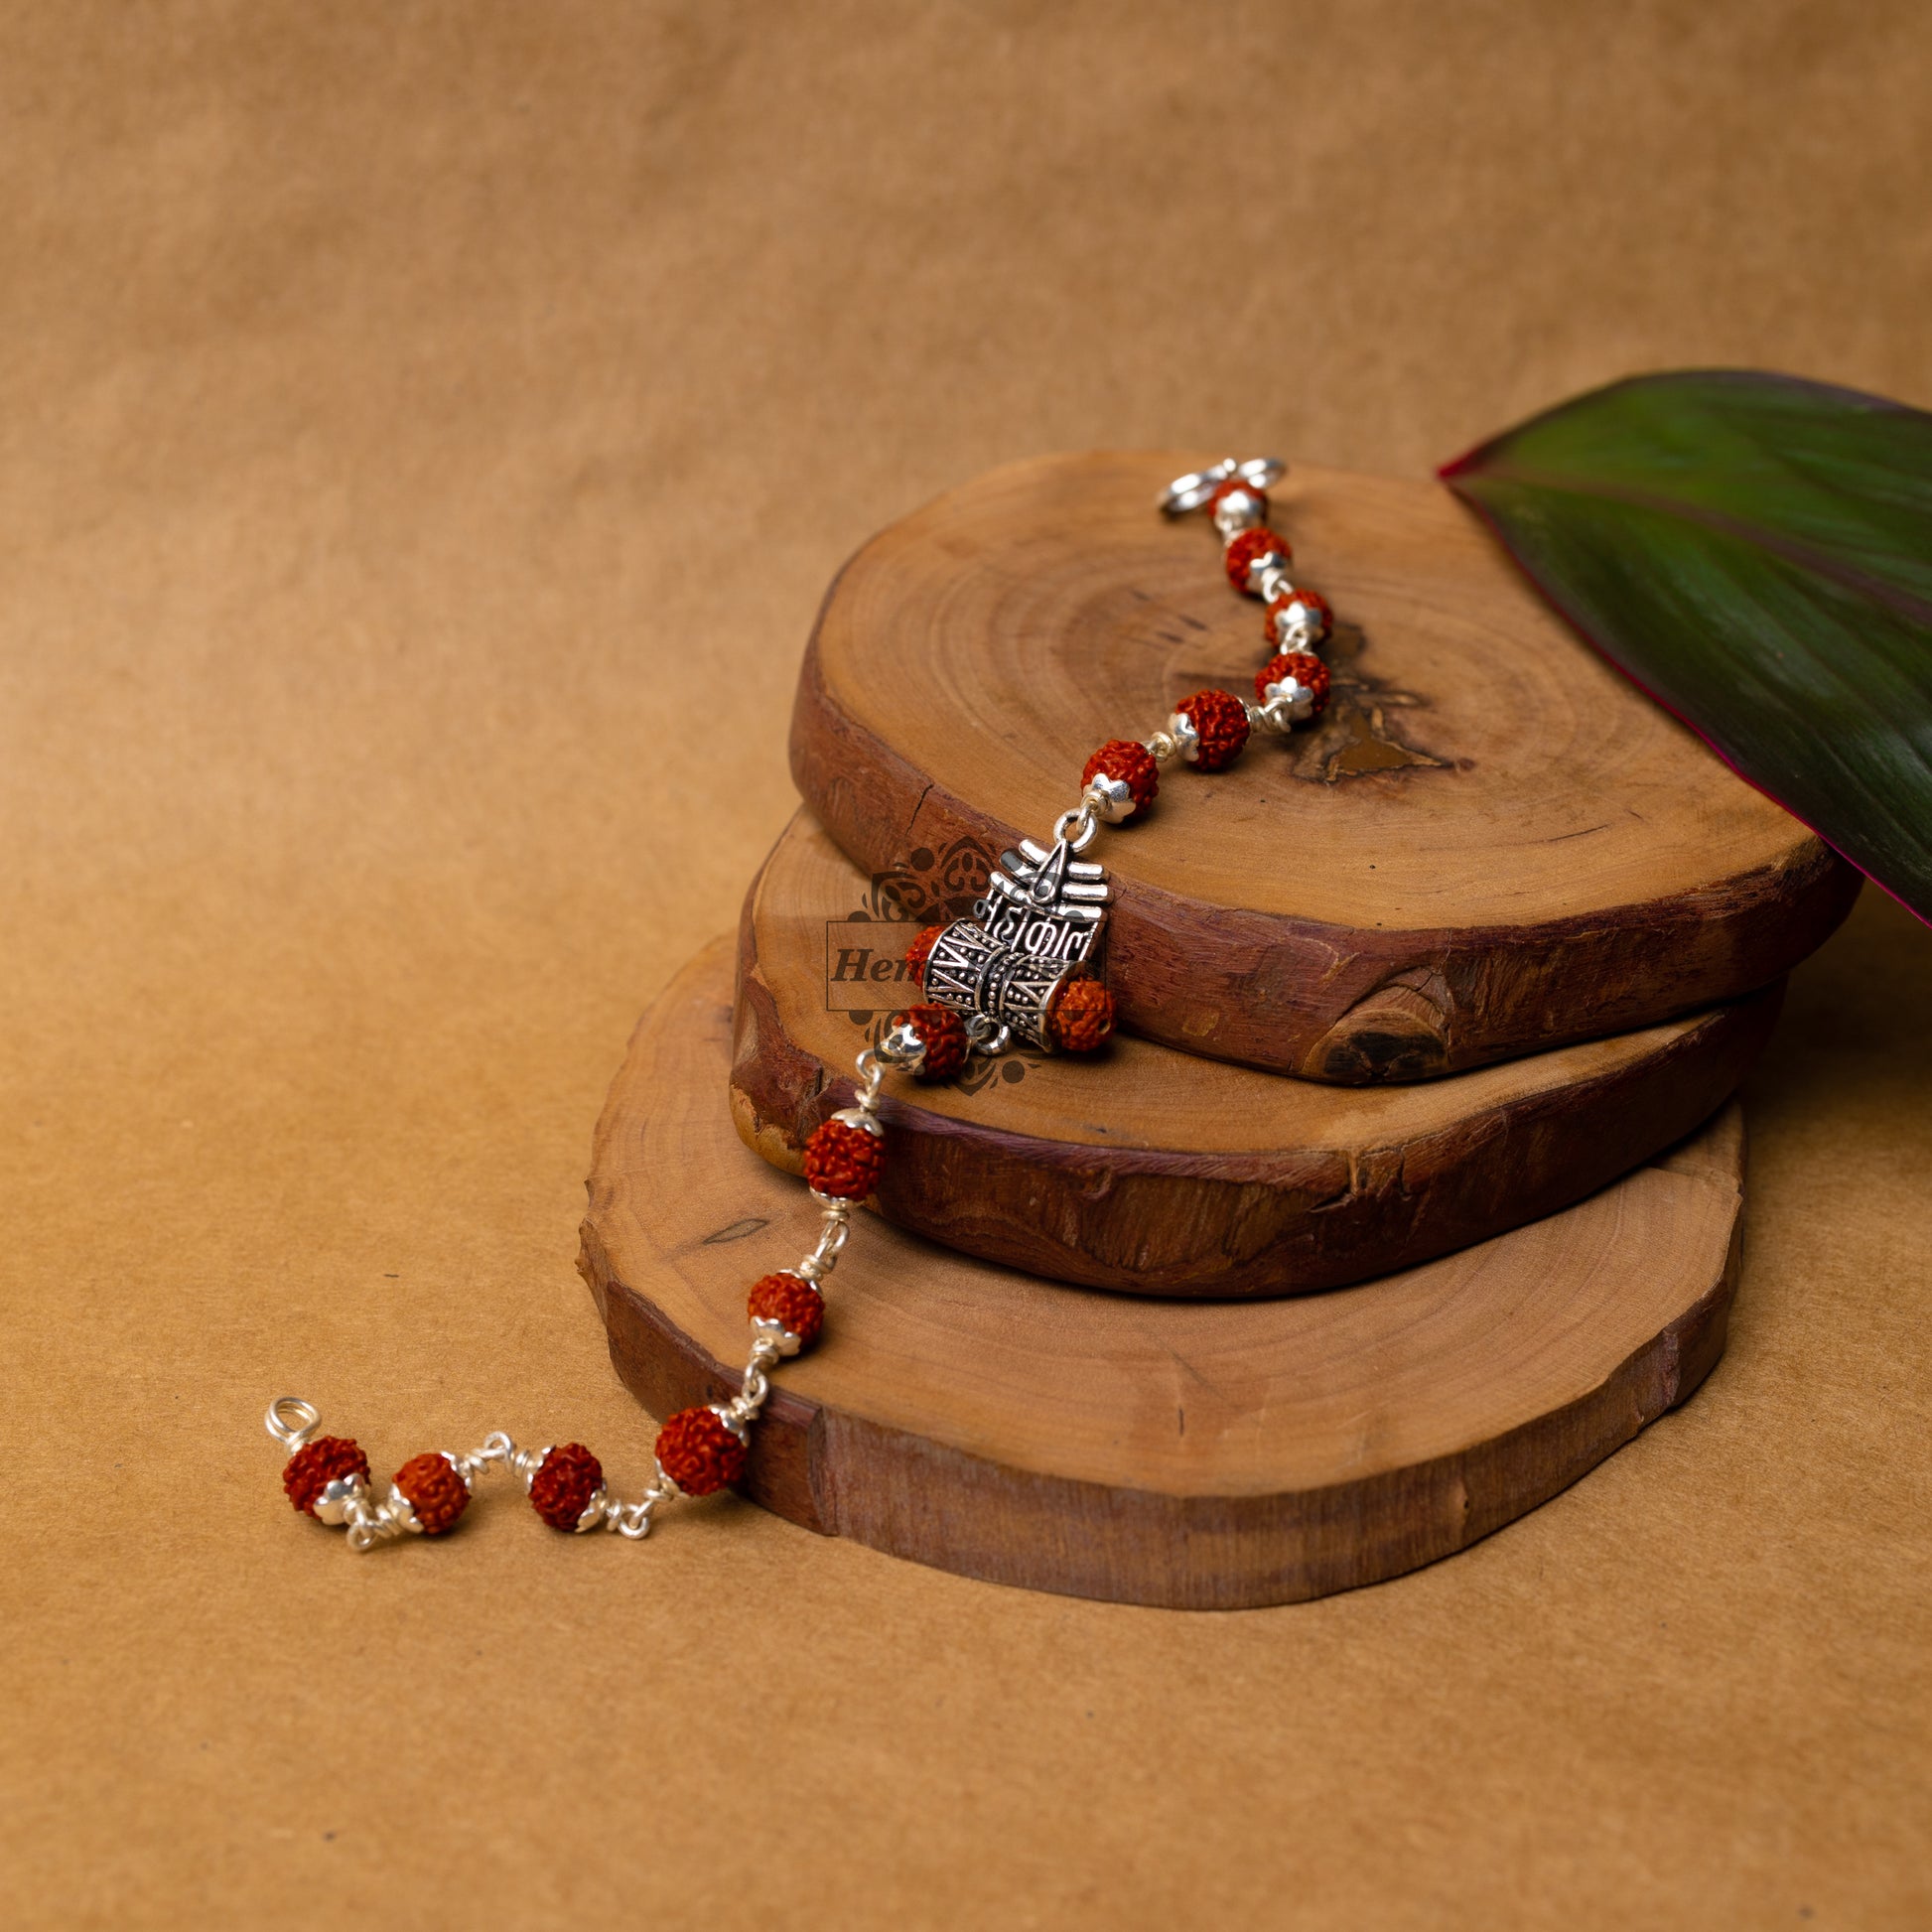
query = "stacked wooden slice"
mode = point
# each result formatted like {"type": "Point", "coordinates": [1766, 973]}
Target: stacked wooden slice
{"type": "Point", "coordinates": [1436, 1007]}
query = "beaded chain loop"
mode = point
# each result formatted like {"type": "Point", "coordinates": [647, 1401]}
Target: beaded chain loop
{"type": "Point", "coordinates": [704, 1449]}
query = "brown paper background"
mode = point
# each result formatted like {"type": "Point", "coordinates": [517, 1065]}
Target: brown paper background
{"type": "Point", "coordinates": [425, 432]}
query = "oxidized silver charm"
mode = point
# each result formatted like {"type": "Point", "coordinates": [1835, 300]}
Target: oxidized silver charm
{"type": "Point", "coordinates": [1037, 928]}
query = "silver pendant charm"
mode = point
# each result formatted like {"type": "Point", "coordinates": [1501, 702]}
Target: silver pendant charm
{"type": "Point", "coordinates": [1037, 928]}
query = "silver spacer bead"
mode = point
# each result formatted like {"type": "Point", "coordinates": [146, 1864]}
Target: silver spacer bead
{"type": "Point", "coordinates": [1293, 698]}
{"type": "Point", "coordinates": [1186, 740]}
{"type": "Point", "coordinates": [1111, 799]}
{"type": "Point", "coordinates": [902, 1047]}
{"type": "Point", "coordinates": [401, 1512]}
{"type": "Point", "coordinates": [1163, 747]}
{"type": "Point", "coordinates": [777, 1332]}
{"type": "Point", "coordinates": [1238, 511]}
{"type": "Point", "coordinates": [1295, 625]}
{"type": "Point", "coordinates": [338, 1498]}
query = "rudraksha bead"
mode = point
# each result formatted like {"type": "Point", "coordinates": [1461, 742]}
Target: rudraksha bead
{"type": "Point", "coordinates": [1298, 621]}
{"type": "Point", "coordinates": [1305, 668]}
{"type": "Point", "coordinates": [562, 1488]}
{"type": "Point", "coordinates": [700, 1451]}
{"type": "Point", "coordinates": [942, 1032]}
{"type": "Point", "coordinates": [1132, 763]}
{"type": "Point", "coordinates": [792, 1302]}
{"type": "Point", "coordinates": [921, 950]}
{"type": "Point", "coordinates": [433, 1490]}
{"type": "Point", "coordinates": [1220, 721]}
{"type": "Point", "coordinates": [310, 1469]}
{"type": "Point", "coordinates": [1248, 553]}
{"type": "Point", "coordinates": [1082, 1016]}
{"type": "Point", "coordinates": [844, 1162]}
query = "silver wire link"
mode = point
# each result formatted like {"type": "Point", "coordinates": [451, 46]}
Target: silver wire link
{"type": "Point", "coordinates": [744, 1407]}
{"type": "Point", "coordinates": [498, 1447]}
{"type": "Point", "coordinates": [369, 1526]}
{"type": "Point", "coordinates": [1076, 827]}
{"type": "Point", "coordinates": [632, 1520]}
{"type": "Point", "coordinates": [835, 1232]}
{"type": "Point", "coordinates": [294, 1428]}
{"type": "Point", "coordinates": [872, 1073]}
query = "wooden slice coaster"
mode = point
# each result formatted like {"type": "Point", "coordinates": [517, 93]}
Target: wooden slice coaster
{"type": "Point", "coordinates": [1192, 1454]}
{"type": "Point", "coordinates": [1158, 1174]}
{"type": "Point", "coordinates": [1490, 845]}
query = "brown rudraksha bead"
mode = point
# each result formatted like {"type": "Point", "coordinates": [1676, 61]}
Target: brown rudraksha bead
{"type": "Point", "coordinates": [1305, 668]}
{"type": "Point", "coordinates": [433, 1490]}
{"type": "Point", "coordinates": [1220, 721]}
{"type": "Point", "coordinates": [1082, 1016]}
{"type": "Point", "coordinates": [920, 952]}
{"type": "Point", "coordinates": [1132, 763]}
{"type": "Point", "coordinates": [1246, 554]}
{"type": "Point", "coordinates": [699, 1451]}
{"type": "Point", "coordinates": [793, 1304]}
{"type": "Point", "coordinates": [329, 1458]}
{"type": "Point", "coordinates": [844, 1162]}
{"type": "Point", "coordinates": [942, 1032]}
{"type": "Point", "coordinates": [562, 1488]}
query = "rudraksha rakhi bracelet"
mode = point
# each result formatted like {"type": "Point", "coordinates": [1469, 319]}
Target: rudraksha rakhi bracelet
{"type": "Point", "coordinates": [1017, 972]}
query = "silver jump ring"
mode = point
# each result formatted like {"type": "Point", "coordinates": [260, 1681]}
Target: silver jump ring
{"type": "Point", "coordinates": [1191, 491]}
{"type": "Point", "coordinates": [1081, 815]}
{"type": "Point", "coordinates": [292, 1433]}
{"type": "Point", "coordinates": [987, 1036]}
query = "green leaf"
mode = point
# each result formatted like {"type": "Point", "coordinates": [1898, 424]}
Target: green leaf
{"type": "Point", "coordinates": [1756, 552]}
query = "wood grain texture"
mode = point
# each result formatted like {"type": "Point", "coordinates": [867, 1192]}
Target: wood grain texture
{"type": "Point", "coordinates": [1491, 845]}
{"type": "Point", "coordinates": [1192, 1454]}
{"type": "Point", "coordinates": [1158, 1174]}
